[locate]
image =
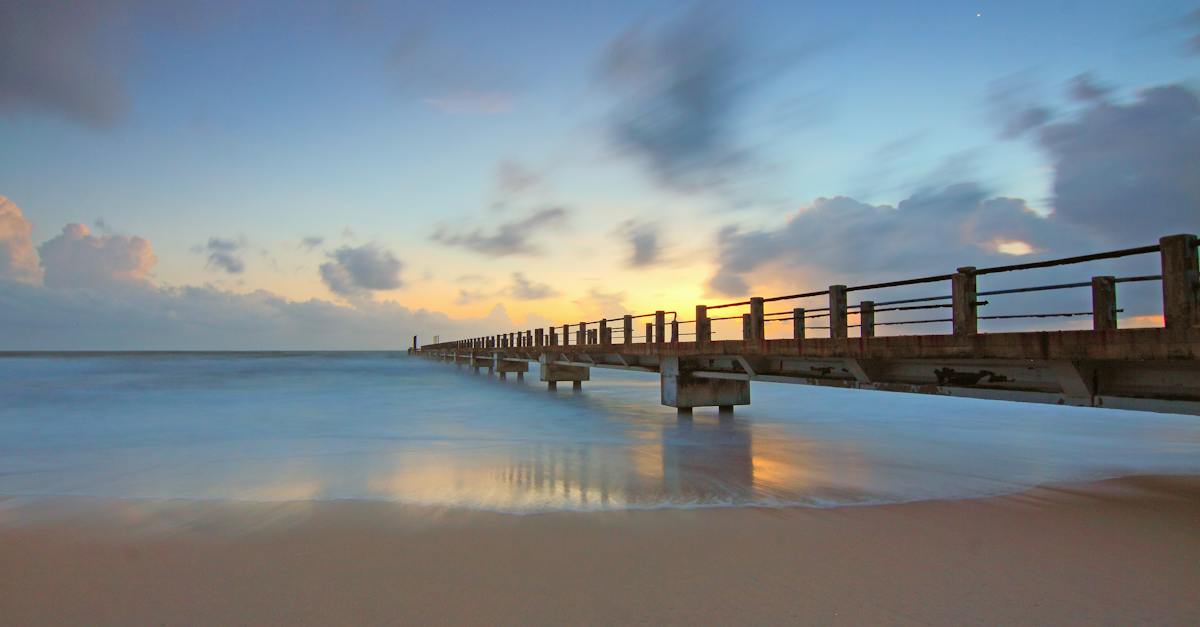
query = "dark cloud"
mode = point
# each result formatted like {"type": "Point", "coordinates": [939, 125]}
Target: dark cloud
{"type": "Point", "coordinates": [509, 238]}
{"type": "Point", "coordinates": [1015, 105]}
{"type": "Point", "coordinates": [223, 254]}
{"type": "Point", "coordinates": [643, 239]}
{"type": "Point", "coordinates": [355, 270]}
{"type": "Point", "coordinates": [18, 258]}
{"type": "Point", "coordinates": [926, 233]}
{"type": "Point", "coordinates": [65, 57]}
{"type": "Point", "coordinates": [1085, 88]}
{"type": "Point", "coordinates": [311, 242]}
{"type": "Point", "coordinates": [1129, 171]}
{"type": "Point", "coordinates": [77, 259]}
{"type": "Point", "coordinates": [682, 90]}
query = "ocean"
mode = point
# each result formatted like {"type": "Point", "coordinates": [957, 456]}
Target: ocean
{"type": "Point", "coordinates": [385, 426]}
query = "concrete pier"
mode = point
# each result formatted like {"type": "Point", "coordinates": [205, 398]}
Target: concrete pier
{"type": "Point", "coordinates": [860, 343]}
{"type": "Point", "coordinates": [682, 390]}
{"type": "Point", "coordinates": [551, 373]}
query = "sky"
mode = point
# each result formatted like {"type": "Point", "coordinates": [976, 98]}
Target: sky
{"type": "Point", "coordinates": [261, 175]}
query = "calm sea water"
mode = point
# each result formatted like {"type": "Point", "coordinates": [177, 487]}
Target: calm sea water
{"type": "Point", "coordinates": [282, 427]}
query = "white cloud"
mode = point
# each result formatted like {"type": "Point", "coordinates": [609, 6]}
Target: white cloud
{"type": "Point", "coordinates": [18, 259]}
{"type": "Point", "coordinates": [76, 258]}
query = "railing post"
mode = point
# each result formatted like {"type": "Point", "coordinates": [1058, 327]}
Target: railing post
{"type": "Point", "coordinates": [798, 323]}
{"type": "Point", "coordinates": [529, 338]}
{"type": "Point", "coordinates": [660, 320]}
{"type": "Point", "coordinates": [866, 318]}
{"type": "Point", "coordinates": [627, 329]}
{"type": "Point", "coordinates": [675, 330]}
{"type": "Point", "coordinates": [566, 335]}
{"type": "Point", "coordinates": [553, 340]}
{"type": "Point", "coordinates": [539, 337]}
{"type": "Point", "coordinates": [581, 334]}
{"type": "Point", "coordinates": [649, 333]}
{"type": "Point", "coordinates": [746, 324]}
{"type": "Point", "coordinates": [757, 315]}
{"type": "Point", "coordinates": [962, 293]}
{"type": "Point", "coordinates": [703, 335]}
{"type": "Point", "coordinates": [837, 311]}
{"type": "Point", "coordinates": [1180, 281]}
{"type": "Point", "coordinates": [1104, 303]}
{"type": "Point", "coordinates": [605, 339]}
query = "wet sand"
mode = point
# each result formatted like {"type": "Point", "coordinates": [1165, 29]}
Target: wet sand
{"type": "Point", "coordinates": [1116, 552]}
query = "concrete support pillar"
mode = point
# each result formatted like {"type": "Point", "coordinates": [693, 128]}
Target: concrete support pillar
{"type": "Point", "coordinates": [551, 373]}
{"type": "Point", "coordinates": [837, 311]}
{"type": "Point", "coordinates": [757, 319]}
{"type": "Point", "coordinates": [660, 318]}
{"type": "Point", "coordinates": [866, 318]}
{"type": "Point", "coordinates": [504, 366]}
{"type": "Point", "coordinates": [605, 338]}
{"type": "Point", "coordinates": [576, 386]}
{"type": "Point", "coordinates": [703, 326]}
{"type": "Point", "coordinates": [1180, 281]}
{"type": "Point", "coordinates": [962, 293]}
{"type": "Point", "coordinates": [683, 390]}
{"type": "Point", "coordinates": [1104, 303]}
{"type": "Point", "coordinates": [566, 335]}
{"type": "Point", "coordinates": [553, 337]}
{"type": "Point", "coordinates": [539, 338]}
{"type": "Point", "coordinates": [627, 329]}
{"type": "Point", "coordinates": [798, 323]}
{"type": "Point", "coordinates": [529, 338]}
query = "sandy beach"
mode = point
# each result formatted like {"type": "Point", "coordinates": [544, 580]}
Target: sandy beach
{"type": "Point", "coordinates": [1118, 552]}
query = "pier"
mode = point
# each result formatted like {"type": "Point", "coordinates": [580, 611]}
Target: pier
{"type": "Point", "coordinates": [1154, 368]}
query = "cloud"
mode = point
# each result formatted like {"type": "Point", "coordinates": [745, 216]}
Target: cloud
{"type": "Point", "coordinates": [144, 317]}
{"type": "Point", "coordinates": [520, 288]}
{"type": "Point", "coordinates": [311, 242]}
{"type": "Point", "coordinates": [600, 303]}
{"type": "Point", "coordinates": [65, 57]}
{"type": "Point", "coordinates": [642, 237]}
{"type": "Point", "coordinates": [681, 92]}
{"type": "Point", "coordinates": [18, 258]}
{"type": "Point", "coordinates": [355, 270]}
{"type": "Point", "coordinates": [472, 103]}
{"type": "Point", "coordinates": [77, 259]}
{"type": "Point", "coordinates": [1193, 20]}
{"type": "Point", "coordinates": [524, 289]}
{"type": "Point", "coordinates": [1085, 88]}
{"type": "Point", "coordinates": [510, 238]}
{"type": "Point", "coordinates": [223, 254]}
{"type": "Point", "coordinates": [1128, 171]}
{"type": "Point", "coordinates": [928, 232]}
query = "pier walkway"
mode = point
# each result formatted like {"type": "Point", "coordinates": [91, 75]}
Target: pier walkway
{"type": "Point", "coordinates": [1156, 368]}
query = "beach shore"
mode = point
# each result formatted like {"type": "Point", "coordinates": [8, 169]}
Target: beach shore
{"type": "Point", "coordinates": [1120, 552]}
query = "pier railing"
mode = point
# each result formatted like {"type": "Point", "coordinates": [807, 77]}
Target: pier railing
{"type": "Point", "coordinates": [960, 308]}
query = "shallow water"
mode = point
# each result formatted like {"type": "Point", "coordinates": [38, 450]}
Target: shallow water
{"type": "Point", "coordinates": [302, 426]}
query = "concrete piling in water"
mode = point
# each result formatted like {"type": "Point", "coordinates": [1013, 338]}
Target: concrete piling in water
{"type": "Point", "coordinates": [551, 373]}
{"type": "Point", "coordinates": [680, 388]}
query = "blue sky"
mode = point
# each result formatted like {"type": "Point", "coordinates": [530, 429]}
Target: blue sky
{"type": "Point", "coordinates": [380, 124]}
